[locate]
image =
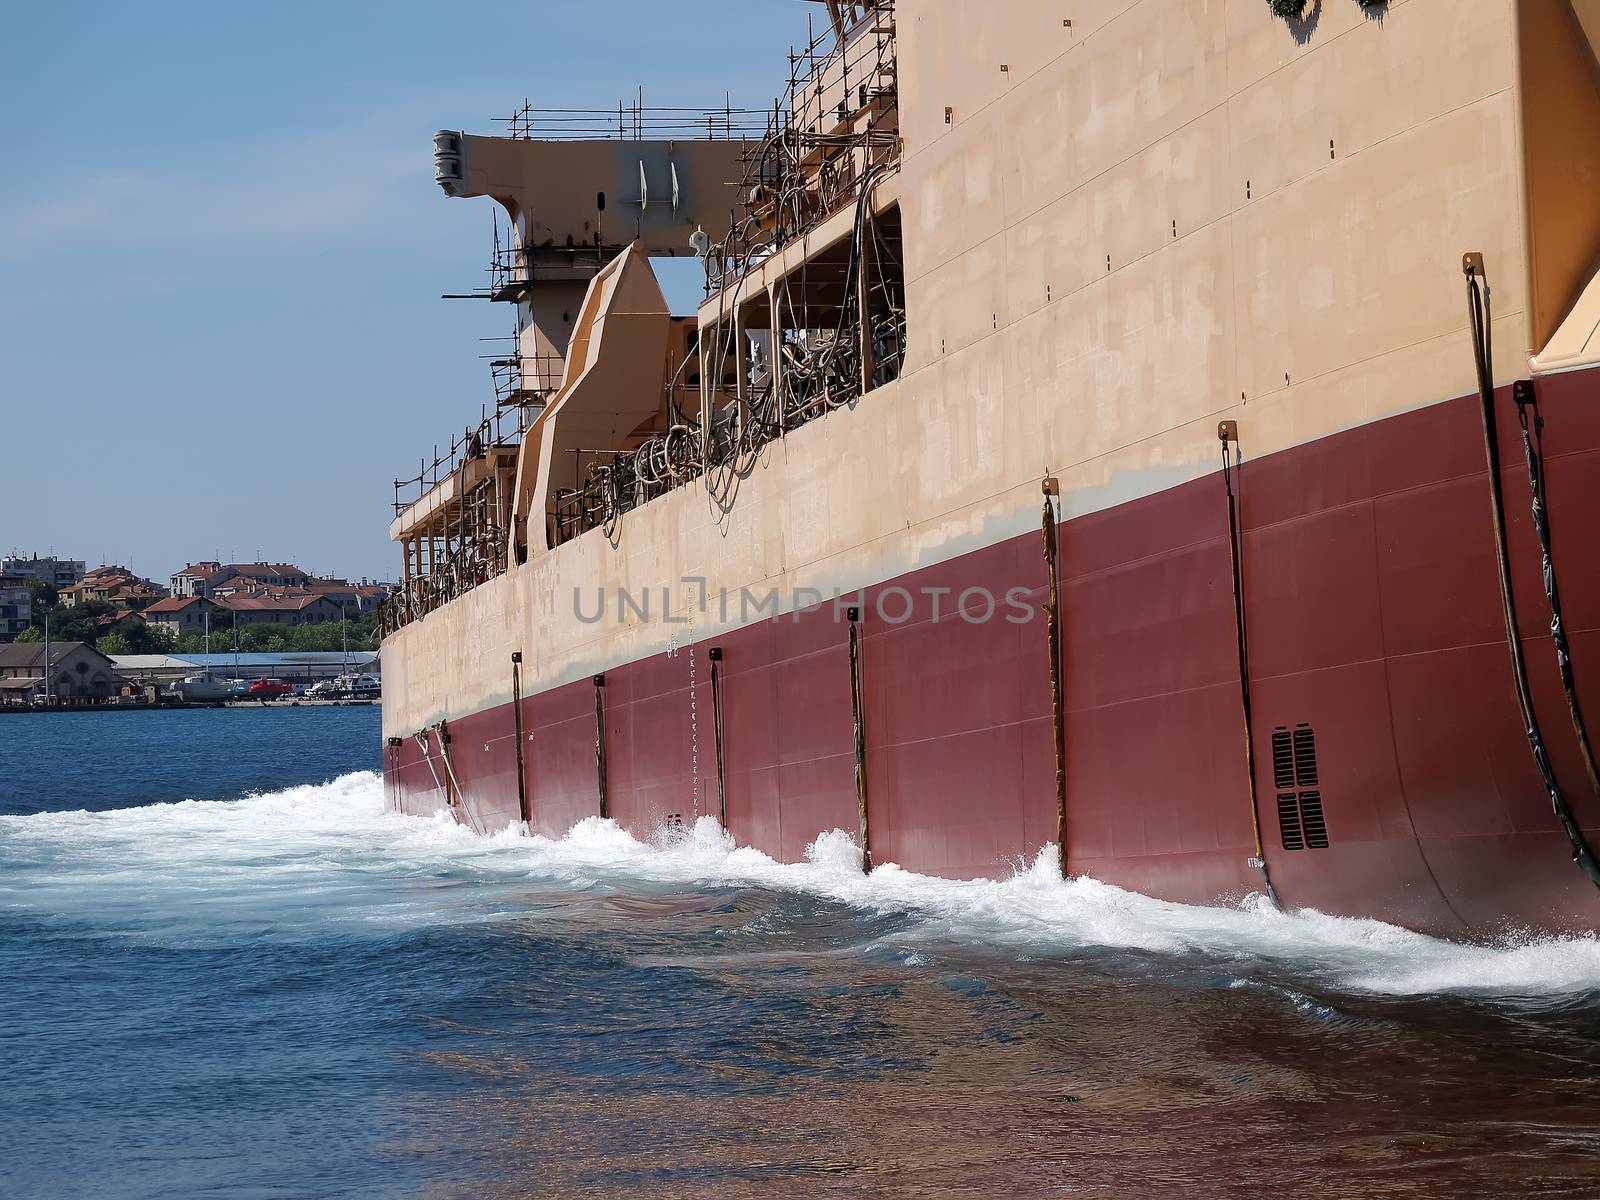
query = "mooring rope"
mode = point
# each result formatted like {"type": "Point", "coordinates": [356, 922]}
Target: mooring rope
{"type": "Point", "coordinates": [1478, 308]}
{"type": "Point", "coordinates": [524, 803]}
{"type": "Point", "coordinates": [1533, 452]}
{"type": "Point", "coordinates": [600, 742]}
{"type": "Point", "coordinates": [715, 654]}
{"type": "Point", "coordinates": [858, 717]}
{"type": "Point", "coordinates": [1228, 434]}
{"type": "Point", "coordinates": [1052, 619]}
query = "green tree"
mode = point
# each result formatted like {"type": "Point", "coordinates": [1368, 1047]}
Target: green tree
{"type": "Point", "coordinates": [78, 623]}
{"type": "Point", "coordinates": [45, 600]}
{"type": "Point", "coordinates": [139, 637]}
{"type": "Point", "coordinates": [261, 638]}
{"type": "Point", "coordinates": [195, 643]}
{"type": "Point", "coordinates": [360, 632]}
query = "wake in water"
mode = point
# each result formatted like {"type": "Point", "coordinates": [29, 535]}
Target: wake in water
{"type": "Point", "coordinates": [270, 865]}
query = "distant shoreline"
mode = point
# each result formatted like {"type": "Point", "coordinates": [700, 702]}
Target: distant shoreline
{"type": "Point", "coordinates": [6, 710]}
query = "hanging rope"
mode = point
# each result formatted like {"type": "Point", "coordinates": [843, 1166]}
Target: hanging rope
{"type": "Point", "coordinates": [524, 805]}
{"type": "Point", "coordinates": [421, 738]}
{"type": "Point", "coordinates": [1228, 434]}
{"type": "Point", "coordinates": [1478, 308]}
{"type": "Point", "coordinates": [1532, 421]}
{"type": "Point", "coordinates": [858, 718]}
{"type": "Point", "coordinates": [600, 742]}
{"type": "Point", "coordinates": [716, 724]}
{"type": "Point", "coordinates": [457, 800]}
{"type": "Point", "coordinates": [1052, 625]}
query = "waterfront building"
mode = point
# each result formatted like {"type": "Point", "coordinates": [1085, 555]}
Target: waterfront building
{"type": "Point", "coordinates": [16, 606]}
{"type": "Point", "coordinates": [77, 672]}
{"type": "Point", "coordinates": [57, 572]}
{"type": "Point", "coordinates": [180, 614]}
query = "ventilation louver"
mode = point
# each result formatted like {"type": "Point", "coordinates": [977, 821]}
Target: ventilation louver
{"type": "Point", "coordinates": [1301, 823]}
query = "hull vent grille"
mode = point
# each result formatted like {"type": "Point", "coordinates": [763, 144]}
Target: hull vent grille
{"type": "Point", "coordinates": [1312, 822]}
{"type": "Point", "coordinates": [1305, 757]}
{"type": "Point", "coordinates": [1289, 821]}
{"type": "Point", "coordinates": [1301, 823]}
{"type": "Point", "coordinates": [1282, 760]}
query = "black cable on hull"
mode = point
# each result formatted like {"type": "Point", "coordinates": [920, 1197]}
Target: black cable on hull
{"type": "Point", "coordinates": [1478, 307]}
{"type": "Point", "coordinates": [1532, 422]}
{"type": "Point", "coordinates": [1228, 435]}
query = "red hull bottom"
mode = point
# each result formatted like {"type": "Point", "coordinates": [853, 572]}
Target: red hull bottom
{"type": "Point", "coordinates": [1384, 709]}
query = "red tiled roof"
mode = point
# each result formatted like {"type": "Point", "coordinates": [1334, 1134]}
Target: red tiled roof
{"type": "Point", "coordinates": [274, 600]}
{"type": "Point", "coordinates": [171, 604]}
{"type": "Point", "coordinates": [264, 568]}
{"type": "Point", "coordinates": [254, 587]}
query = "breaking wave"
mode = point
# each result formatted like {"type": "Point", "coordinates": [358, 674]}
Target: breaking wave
{"type": "Point", "coordinates": [271, 866]}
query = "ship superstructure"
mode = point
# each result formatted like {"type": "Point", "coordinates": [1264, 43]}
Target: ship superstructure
{"type": "Point", "coordinates": [1082, 443]}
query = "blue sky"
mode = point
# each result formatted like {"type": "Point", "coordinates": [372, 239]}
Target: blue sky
{"type": "Point", "coordinates": [222, 251]}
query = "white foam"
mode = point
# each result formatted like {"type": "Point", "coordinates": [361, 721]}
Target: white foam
{"type": "Point", "coordinates": [271, 863]}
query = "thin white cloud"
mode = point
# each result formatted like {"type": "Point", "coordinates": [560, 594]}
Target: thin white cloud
{"type": "Point", "coordinates": [333, 182]}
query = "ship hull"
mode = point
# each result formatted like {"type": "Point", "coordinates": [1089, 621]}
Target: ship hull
{"type": "Point", "coordinates": [1373, 622]}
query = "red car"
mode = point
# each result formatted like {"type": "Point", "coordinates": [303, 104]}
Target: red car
{"type": "Point", "coordinates": [270, 689]}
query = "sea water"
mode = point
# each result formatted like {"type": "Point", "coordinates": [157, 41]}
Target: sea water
{"type": "Point", "coordinates": [225, 971]}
